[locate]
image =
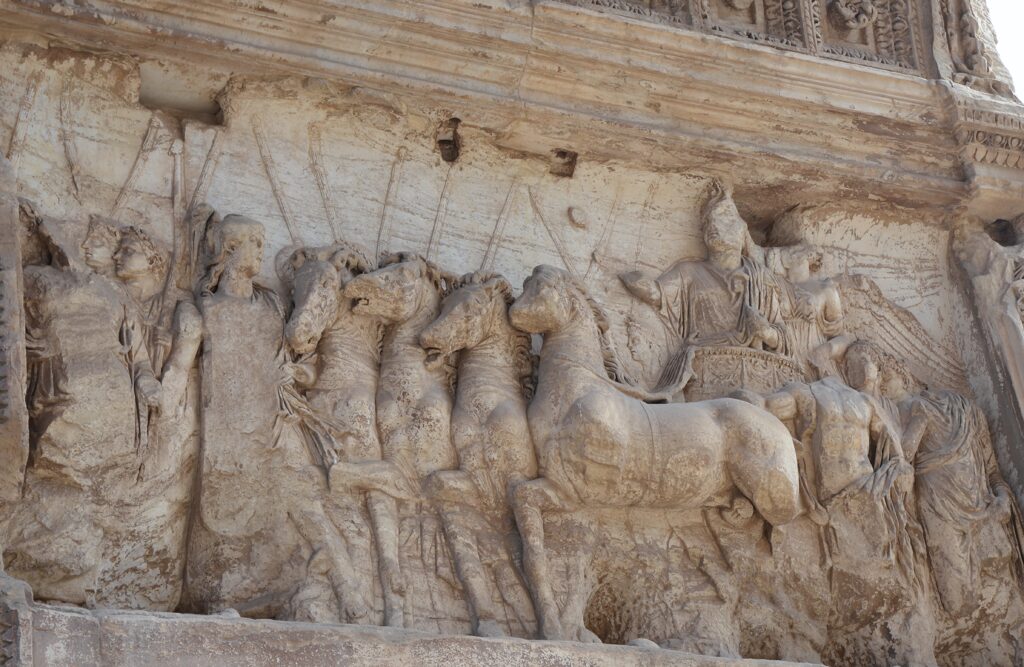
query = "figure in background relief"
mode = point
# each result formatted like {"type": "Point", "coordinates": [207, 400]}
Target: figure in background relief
{"type": "Point", "coordinates": [90, 381]}
{"type": "Point", "coordinates": [849, 438]}
{"type": "Point", "coordinates": [414, 404]}
{"type": "Point", "coordinates": [492, 437]}
{"type": "Point", "coordinates": [812, 311]}
{"type": "Point", "coordinates": [962, 498]}
{"type": "Point", "coordinates": [256, 556]}
{"type": "Point", "coordinates": [729, 299]}
{"type": "Point", "coordinates": [153, 512]}
{"type": "Point", "coordinates": [598, 445]}
{"type": "Point", "coordinates": [853, 444]}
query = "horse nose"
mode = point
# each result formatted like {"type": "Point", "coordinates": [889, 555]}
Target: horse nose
{"type": "Point", "coordinates": [515, 313]}
{"type": "Point", "coordinates": [352, 287]}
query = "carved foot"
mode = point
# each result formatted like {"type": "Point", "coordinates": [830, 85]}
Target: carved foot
{"type": "Point", "coordinates": [552, 629]}
{"type": "Point", "coordinates": [392, 579]}
{"type": "Point", "coordinates": [394, 617]}
{"type": "Point", "coordinates": [640, 642]}
{"type": "Point", "coordinates": [356, 612]}
{"type": "Point", "coordinates": [489, 628]}
{"type": "Point", "coordinates": [588, 637]}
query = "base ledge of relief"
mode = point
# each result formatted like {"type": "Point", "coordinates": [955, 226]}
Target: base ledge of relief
{"type": "Point", "coordinates": [70, 636]}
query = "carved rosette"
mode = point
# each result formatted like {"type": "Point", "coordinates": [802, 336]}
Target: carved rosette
{"type": "Point", "coordinates": [852, 14]}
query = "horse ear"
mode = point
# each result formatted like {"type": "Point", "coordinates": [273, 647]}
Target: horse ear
{"type": "Point", "coordinates": [350, 257]}
{"type": "Point", "coordinates": [285, 263]}
{"type": "Point", "coordinates": [500, 285]}
{"type": "Point", "coordinates": [449, 282]}
{"type": "Point", "coordinates": [339, 259]}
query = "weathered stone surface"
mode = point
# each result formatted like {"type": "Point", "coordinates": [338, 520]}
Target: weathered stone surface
{"type": "Point", "coordinates": [688, 324]}
{"type": "Point", "coordinates": [64, 636]}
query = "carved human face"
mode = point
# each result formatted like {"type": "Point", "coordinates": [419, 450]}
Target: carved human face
{"type": "Point", "coordinates": [131, 260]}
{"type": "Point", "coordinates": [798, 264]}
{"type": "Point", "coordinates": [862, 372]}
{"type": "Point", "coordinates": [543, 307]}
{"type": "Point", "coordinates": [464, 321]}
{"type": "Point", "coordinates": [893, 384]}
{"type": "Point", "coordinates": [99, 247]}
{"type": "Point", "coordinates": [391, 293]}
{"type": "Point", "coordinates": [316, 287]}
{"type": "Point", "coordinates": [724, 230]}
{"type": "Point", "coordinates": [241, 242]}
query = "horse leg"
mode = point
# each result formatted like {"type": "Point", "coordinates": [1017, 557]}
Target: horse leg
{"type": "Point", "coordinates": [383, 510]}
{"type": "Point", "coordinates": [529, 500]}
{"type": "Point", "coordinates": [313, 524]}
{"type": "Point", "coordinates": [765, 469]}
{"type": "Point", "coordinates": [450, 489]}
{"type": "Point", "coordinates": [513, 591]}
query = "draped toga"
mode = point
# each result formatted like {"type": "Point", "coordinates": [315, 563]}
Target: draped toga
{"type": "Point", "coordinates": [707, 306]}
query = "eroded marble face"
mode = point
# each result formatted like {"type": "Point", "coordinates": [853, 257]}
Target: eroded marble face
{"type": "Point", "coordinates": [241, 243]}
{"type": "Point", "coordinates": [99, 247]}
{"type": "Point", "coordinates": [131, 260]}
{"type": "Point", "coordinates": [724, 230]}
{"type": "Point", "coordinates": [862, 373]}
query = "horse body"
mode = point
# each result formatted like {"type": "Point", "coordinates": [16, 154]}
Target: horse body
{"type": "Point", "coordinates": [492, 437]}
{"type": "Point", "coordinates": [342, 387]}
{"type": "Point", "coordinates": [600, 447]}
{"type": "Point", "coordinates": [346, 383]}
{"type": "Point", "coordinates": [604, 448]}
{"type": "Point", "coordinates": [489, 424]}
{"type": "Point", "coordinates": [413, 405]}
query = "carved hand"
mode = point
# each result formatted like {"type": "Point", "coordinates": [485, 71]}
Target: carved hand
{"type": "Point", "coordinates": [303, 372]}
{"type": "Point", "coordinates": [642, 287]}
{"type": "Point", "coordinates": [999, 509]}
{"type": "Point", "coordinates": [149, 391]}
{"type": "Point", "coordinates": [189, 324]}
{"type": "Point", "coordinates": [759, 328]}
{"type": "Point", "coordinates": [905, 478]}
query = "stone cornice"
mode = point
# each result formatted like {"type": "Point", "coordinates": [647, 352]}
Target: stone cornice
{"type": "Point", "coordinates": [621, 88]}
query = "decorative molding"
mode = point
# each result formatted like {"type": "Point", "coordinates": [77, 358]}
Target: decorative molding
{"type": "Point", "coordinates": [880, 33]}
{"type": "Point", "coordinates": [972, 61]}
{"type": "Point", "coordinates": [644, 82]}
{"type": "Point", "coordinates": [990, 136]}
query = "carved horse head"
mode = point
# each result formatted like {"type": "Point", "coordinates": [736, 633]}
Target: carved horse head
{"type": "Point", "coordinates": [403, 287]}
{"type": "Point", "coordinates": [317, 276]}
{"type": "Point", "coordinates": [553, 301]}
{"type": "Point", "coordinates": [549, 302]}
{"type": "Point", "coordinates": [469, 315]}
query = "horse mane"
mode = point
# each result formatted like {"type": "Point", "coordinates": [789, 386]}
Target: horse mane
{"type": "Point", "coordinates": [522, 343]}
{"type": "Point", "coordinates": [443, 281]}
{"type": "Point", "coordinates": [356, 259]}
{"type": "Point", "coordinates": [612, 363]}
